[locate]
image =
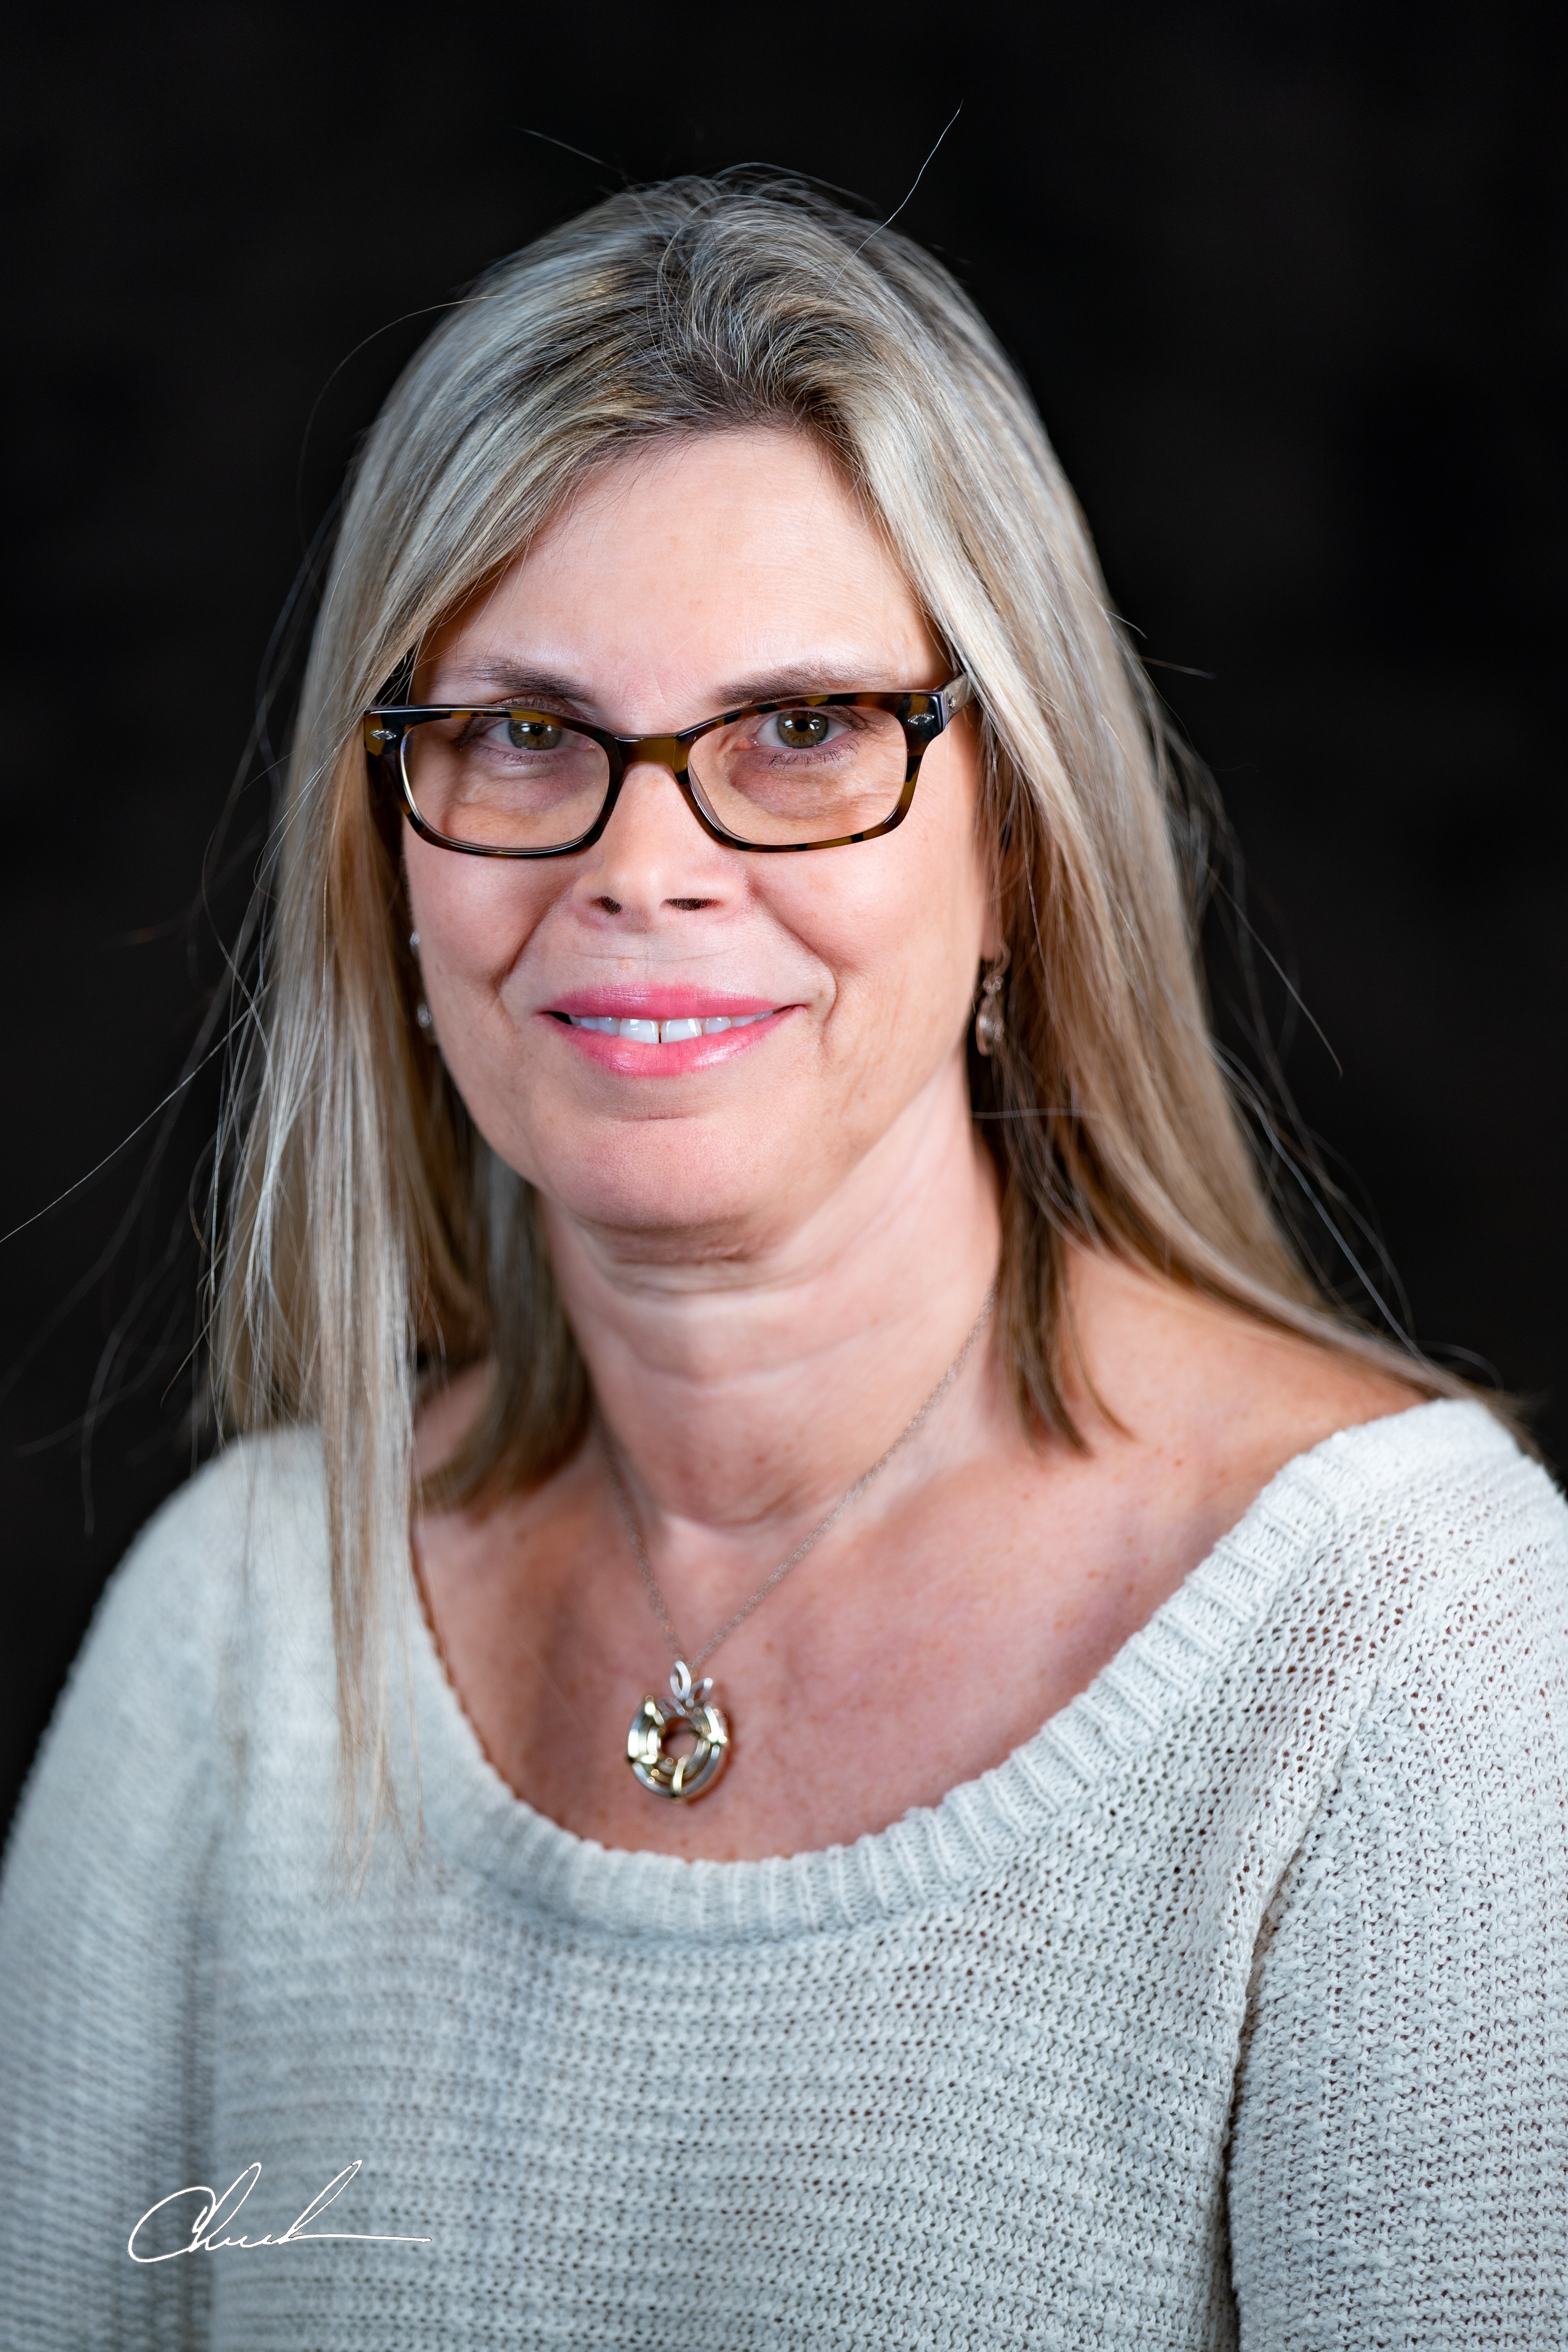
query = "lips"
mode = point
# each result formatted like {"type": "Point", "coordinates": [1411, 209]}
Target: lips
{"type": "Point", "coordinates": [627, 1002]}
{"type": "Point", "coordinates": [643, 1036]}
{"type": "Point", "coordinates": [675, 1029]}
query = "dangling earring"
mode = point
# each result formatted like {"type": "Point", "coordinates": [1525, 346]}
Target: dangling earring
{"type": "Point", "coordinates": [989, 1025]}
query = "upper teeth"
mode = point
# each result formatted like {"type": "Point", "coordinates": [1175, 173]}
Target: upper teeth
{"type": "Point", "coordinates": [664, 1033]}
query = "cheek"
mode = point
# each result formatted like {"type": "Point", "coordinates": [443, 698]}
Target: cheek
{"type": "Point", "coordinates": [904, 923]}
{"type": "Point", "coordinates": [473, 916]}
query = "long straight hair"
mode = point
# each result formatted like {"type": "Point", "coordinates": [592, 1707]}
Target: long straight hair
{"type": "Point", "coordinates": [367, 1231]}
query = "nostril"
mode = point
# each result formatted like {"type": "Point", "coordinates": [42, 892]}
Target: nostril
{"type": "Point", "coordinates": [691, 905]}
{"type": "Point", "coordinates": [610, 905]}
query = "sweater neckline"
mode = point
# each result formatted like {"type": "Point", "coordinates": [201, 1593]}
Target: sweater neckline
{"type": "Point", "coordinates": [473, 1818]}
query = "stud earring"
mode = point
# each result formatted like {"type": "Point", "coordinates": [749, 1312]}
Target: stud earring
{"type": "Point", "coordinates": [421, 1011]}
{"type": "Point", "coordinates": [989, 1025]}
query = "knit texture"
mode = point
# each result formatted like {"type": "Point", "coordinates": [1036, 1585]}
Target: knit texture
{"type": "Point", "coordinates": [1232, 2008]}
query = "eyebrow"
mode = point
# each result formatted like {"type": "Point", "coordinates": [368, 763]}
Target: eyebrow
{"type": "Point", "coordinates": [508, 682]}
{"type": "Point", "coordinates": [504, 681]}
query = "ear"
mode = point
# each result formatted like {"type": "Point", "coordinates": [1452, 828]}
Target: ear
{"type": "Point", "coordinates": [994, 935]}
{"type": "Point", "coordinates": [994, 861]}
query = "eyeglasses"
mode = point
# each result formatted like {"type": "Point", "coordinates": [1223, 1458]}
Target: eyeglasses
{"type": "Point", "coordinates": [811, 771]}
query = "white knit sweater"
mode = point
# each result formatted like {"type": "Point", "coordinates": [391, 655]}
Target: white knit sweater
{"type": "Point", "coordinates": [1234, 2006]}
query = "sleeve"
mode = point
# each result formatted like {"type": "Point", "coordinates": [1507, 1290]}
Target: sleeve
{"type": "Point", "coordinates": [1399, 2158]}
{"type": "Point", "coordinates": [106, 1954]}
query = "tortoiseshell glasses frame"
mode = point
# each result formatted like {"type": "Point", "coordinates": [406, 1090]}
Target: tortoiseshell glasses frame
{"type": "Point", "coordinates": [923, 713]}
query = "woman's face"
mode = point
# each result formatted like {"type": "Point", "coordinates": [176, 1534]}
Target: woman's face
{"type": "Point", "coordinates": [701, 575]}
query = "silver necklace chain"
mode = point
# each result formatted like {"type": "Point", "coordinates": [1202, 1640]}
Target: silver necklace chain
{"type": "Point", "coordinates": [808, 1543]}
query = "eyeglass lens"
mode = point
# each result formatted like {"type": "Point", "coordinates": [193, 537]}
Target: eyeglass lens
{"type": "Point", "coordinates": [520, 780]}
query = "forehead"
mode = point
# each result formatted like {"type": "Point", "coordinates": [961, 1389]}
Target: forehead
{"type": "Point", "coordinates": [670, 576]}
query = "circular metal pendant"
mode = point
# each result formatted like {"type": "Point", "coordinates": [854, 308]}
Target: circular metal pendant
{"type": "Point", "coordinates": [680, 1778]}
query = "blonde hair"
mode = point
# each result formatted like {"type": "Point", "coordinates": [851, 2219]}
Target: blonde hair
{"type": "Point", "coordinates": [369, 1230]}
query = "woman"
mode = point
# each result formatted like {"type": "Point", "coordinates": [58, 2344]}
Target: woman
{"type": "Point", "coordinates": [736, 1143]}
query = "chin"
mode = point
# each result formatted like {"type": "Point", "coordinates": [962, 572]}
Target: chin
{"type": "Point", "coordinates": [679, 1181]}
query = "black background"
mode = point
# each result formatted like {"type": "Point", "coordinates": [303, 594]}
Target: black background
{"type": "Point", "coordinates": [1288, 282]}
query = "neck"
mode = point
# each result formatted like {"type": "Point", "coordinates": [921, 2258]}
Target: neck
{"type": "Point", "coordinates": [748, 1379]}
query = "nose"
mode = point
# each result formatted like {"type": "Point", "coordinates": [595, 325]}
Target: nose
{"type": "Point", "coordinates": [653, 859]}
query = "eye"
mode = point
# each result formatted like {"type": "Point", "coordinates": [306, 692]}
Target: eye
{"type": "Point", "coordinates": [531, 735]}
{"type": "Point", "coordinates": [800, 731]}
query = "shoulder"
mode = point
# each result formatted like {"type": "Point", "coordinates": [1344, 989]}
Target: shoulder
{"type": "Point", "coordinates": [1430, 1553]}
{"type": "Point", "coordinates": [128, 1785]}
{"type": "Point", "coordinates": [1210, 1406]}
{"type": "Point", "coordinates": [1436, 1498]}
{"type": "Point", "coordinates": [249, 1527]}
{"type": "Point", "coordinates": [258, 1503]}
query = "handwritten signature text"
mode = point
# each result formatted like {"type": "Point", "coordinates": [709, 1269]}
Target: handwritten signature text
{"type": "Point", "coordinates": [216, 2213]}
